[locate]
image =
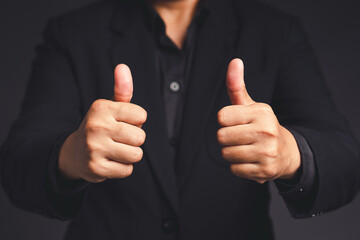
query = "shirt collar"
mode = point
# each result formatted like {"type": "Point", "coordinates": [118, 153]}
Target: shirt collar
{"type": "Point", "coordinates": [157, 26]}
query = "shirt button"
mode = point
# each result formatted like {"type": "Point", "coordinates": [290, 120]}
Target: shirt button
{"type": "Point", "coordinates": [169, 225]}
{"type": "Point", "coordinates": [174, 86]}
{"type": "Point", "coordinates": [301, 190]}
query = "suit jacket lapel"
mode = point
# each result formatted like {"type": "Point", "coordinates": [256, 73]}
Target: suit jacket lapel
{"type": "Point", "coordinates": [134, 46]}
{"type": "Point", "coordinates": [213, 52]}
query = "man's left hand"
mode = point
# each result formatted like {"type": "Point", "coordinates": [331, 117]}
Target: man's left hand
{"type": "Point", "coordinates": [257, 146]}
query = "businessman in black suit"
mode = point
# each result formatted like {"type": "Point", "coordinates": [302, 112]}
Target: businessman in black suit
{"type": "Point", "coordinates": [208, 145]}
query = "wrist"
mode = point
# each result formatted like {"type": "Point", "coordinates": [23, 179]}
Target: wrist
{"type": "Point", "coordinates": [292, 158]}
{"type": "Point", "coordinates": [65, 161]}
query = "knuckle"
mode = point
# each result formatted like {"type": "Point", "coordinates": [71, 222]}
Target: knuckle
{"type": "Point", "coordinates": [234, 169]}
{"type": "Point", "coordinates": [221, 136]}
{"type": "Point", "coordinates": [272, 130]}
{"type": "Point", "coordinates": [269, 172]}
{"type": "Point", "coordinates": [94, 171]}
{"type": "Point", "coordinates": [140, 113]}
{"type": "Point", "coordinates": [99, 104]}
{"type": "Point", "coordinates": [92, 168]}
{"type": "Point", "coordinates": [92, 147]}
{"type": "Point", "coordinates": [265, 108]}
{"type": "Point", "coordinates": [94, 126]}
{"type": "Point", "coordinates": [221, 116]}
{"type": "Point", "coordinates": [137, 155]}
{"type": "Point", "coordinates": [141, 136]}
{"type": "Point", "coordinates": [225, 152]}
{"type": "Point", "coordinates": [272, 151]}
{"type": "Point", "coordinates": [126, 170]}
{"type": "Point", "coordinates": [269, 130]}
{"type": "Point", "coordinates": [143, 115]}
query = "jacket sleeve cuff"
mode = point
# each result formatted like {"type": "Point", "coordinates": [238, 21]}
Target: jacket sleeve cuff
{"type": "Point", "coordinates": [65, 196]}
{"type": "Point", "coordinates": [303, 186]}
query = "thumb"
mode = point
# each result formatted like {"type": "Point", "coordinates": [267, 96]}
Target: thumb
{"type": "Point", "coordinates": [235, 83]}
{"type": "Point", "coordinates": [123, 87]}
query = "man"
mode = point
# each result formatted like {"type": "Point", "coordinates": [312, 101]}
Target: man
{"type": "Point", "coordinates": [208, 145]}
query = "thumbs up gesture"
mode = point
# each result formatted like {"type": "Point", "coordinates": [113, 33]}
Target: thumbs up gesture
{"type": "Point", "coordinates": [108, 140]}
{"type": "Point", "coordinates": [257, 146]}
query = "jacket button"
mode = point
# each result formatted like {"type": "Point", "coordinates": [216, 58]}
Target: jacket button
{"type": "Point", "coordinates": [169, 225]}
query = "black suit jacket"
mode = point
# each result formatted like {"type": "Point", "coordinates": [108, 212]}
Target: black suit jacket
{"type": "Point", "coordinates": [204, 200]}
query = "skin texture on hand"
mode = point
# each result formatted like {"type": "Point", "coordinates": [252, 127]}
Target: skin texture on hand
{"type": "Point", "coordinates": [257, 146]}
{"type": "Point", "coordinates": [108, 140]}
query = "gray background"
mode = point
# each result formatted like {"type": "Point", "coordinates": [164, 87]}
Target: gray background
{"type": "Point", "coordinates": [334, 30]}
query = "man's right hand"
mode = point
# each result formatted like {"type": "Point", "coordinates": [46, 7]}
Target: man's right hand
{"type": "Point", "coordinates": [108, 140]}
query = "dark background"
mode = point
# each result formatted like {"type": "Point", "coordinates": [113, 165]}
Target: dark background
{"type": "Point", "coordinates": [334, 31]}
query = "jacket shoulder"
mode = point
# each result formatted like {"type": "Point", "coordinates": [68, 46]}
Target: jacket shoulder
{"type": "Point", "coordinates": [264, 15]}
{"type": "Point", "coordinates": [86, 20]}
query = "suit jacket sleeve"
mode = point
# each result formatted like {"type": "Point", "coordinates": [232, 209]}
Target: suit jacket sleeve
{"type": "Point", "coordinates": [303, 102]}
{"type": "Point", "coordinates": [50, 112]}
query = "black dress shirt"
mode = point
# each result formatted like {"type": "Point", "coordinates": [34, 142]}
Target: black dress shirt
{"type": "Point", "coordinates": [174, 68]}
